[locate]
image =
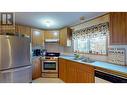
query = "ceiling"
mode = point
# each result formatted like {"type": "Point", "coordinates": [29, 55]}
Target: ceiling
{"type": "Point", "coordinates": [58, 19]}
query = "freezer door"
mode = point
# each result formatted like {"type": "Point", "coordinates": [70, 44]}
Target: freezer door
{"type": "Point", "coordinates": [14, 51]}
{"type": "Point", "coordinates": [19, 75]}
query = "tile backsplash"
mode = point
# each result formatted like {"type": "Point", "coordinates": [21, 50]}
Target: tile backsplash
{"type": "Point", "coordinates": [117, 56]}
{"type": "Point", "coordinates": [120, 57]}
{"type": "Point", "coordinates": [123, 57]}
{"type": "Point", "coordinates": [69, 50]}
{"type": "Point", "coordinates": [54, 47]}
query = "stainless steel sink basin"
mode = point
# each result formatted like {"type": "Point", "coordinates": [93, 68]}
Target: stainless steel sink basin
{"type": "Point", "coordinates": [83, 59]}
{"type": "Point", "coordinates": [88, 60]}
{"type": "Point", "coordinates": [76, 58]}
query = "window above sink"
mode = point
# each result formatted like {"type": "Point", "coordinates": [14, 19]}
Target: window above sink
{"type": "Point", "coordinates": [96, 45]}
{"type": "Point", "coordinates": [93, 40]}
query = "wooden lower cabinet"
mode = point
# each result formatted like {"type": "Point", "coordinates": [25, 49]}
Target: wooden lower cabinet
{"type": "Point", "coordinates": [62, 69]}
{"type": "Point", "coordinates": [36, 68]}
{"type": "Point", "coordinates": [73, 72]}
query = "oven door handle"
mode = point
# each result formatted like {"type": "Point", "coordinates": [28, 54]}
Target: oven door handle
{"type": "Point", "coordinates": [49, 61]}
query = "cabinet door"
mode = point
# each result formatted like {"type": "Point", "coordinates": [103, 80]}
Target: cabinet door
{"type": "Point", "coordinates": [85, 77]}
{"type": "Point", "coordinates": [36, 68]}
{"type": "Point", "coordinates": [37, 37]}
{"type": "Point", "coordinates": [118, 29]}
{"type": "Point", "coordinates": [79, 73]}
{"type": "Point", "coordinates": [62, 69]}
{"type": "Point", "coordinates": [51, 34]}
{"type": "Point", "coordinates": [65, 37]}
{"type": "Point", "coordinates": [84, 73]}
{"type": "Point", "coordinates": [73, 72]}
{"type": "Point", "coordinates": [7, 29]}
{"type": "Point", "coordinates": [125, 33]}
{"type": "Point", "coordinates": [25, 30]}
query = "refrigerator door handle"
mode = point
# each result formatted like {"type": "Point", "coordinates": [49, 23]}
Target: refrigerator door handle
{"type": "Point", "coordinates": [15, 70]}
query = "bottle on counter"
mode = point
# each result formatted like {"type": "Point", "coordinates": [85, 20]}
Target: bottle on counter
{"type": "Point", "coordinates": [76, 54]}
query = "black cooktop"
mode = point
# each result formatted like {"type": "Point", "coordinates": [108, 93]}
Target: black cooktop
{"type": "Point", "coordinates": [52, 54]}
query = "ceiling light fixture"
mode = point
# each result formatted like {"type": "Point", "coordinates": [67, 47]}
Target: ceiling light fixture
{"type": "Point", "coordinates": [48, 22]}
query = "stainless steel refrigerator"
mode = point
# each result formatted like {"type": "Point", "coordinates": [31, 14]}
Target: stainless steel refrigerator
{"type": "Point", "coordinates": [15, 63]}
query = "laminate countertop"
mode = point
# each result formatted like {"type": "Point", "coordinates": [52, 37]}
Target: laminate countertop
{"type": "Point", "coordinates": [37, 57]}
{"type": "Point", "coordinates": [105, 66]}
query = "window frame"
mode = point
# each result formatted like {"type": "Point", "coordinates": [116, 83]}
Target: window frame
{"type": "Point", "coordinates": [107, 44]}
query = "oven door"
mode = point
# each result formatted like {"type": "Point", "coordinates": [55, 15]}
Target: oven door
{"type": "Point", "coordinates": [49, 66]}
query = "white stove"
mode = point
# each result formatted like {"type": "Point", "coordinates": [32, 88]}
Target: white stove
{"type": "Point", "coordinates": [50, 65]}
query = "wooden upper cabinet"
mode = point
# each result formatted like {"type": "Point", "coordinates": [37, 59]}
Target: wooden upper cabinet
{"type": "Point", "coordinates": [37, 37]}
{"type": "Point", "coordinates": [65, 36]}
{"type": "Point", "coordinates": [53, 34]}
{"type": "Point", "coordinates": [118, 28]}
{"type": "Point", "coordinates": [7, 29]}
{"type": "Point", "coordinates": [18, 29]}
{"type": "Point", "coordinates": [24, 30]}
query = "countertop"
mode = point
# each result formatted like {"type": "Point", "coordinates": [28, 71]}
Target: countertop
{"type": "Point", "coordinates": [100, 64]}
{"type": "Point", "coordinates": [105, 65]}
{"type": "Point", "coordinates": [36, 57]}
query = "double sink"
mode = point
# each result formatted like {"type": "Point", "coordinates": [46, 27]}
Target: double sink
{"type": "Point", "coordinates": [85, 59]}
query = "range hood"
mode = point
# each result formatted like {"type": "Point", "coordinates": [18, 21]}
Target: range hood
{"type": "Point", "coordinates": [51, 40]}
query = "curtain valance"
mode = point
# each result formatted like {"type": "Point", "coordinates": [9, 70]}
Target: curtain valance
{"type": "Point", "coordinates": [93, 31]}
